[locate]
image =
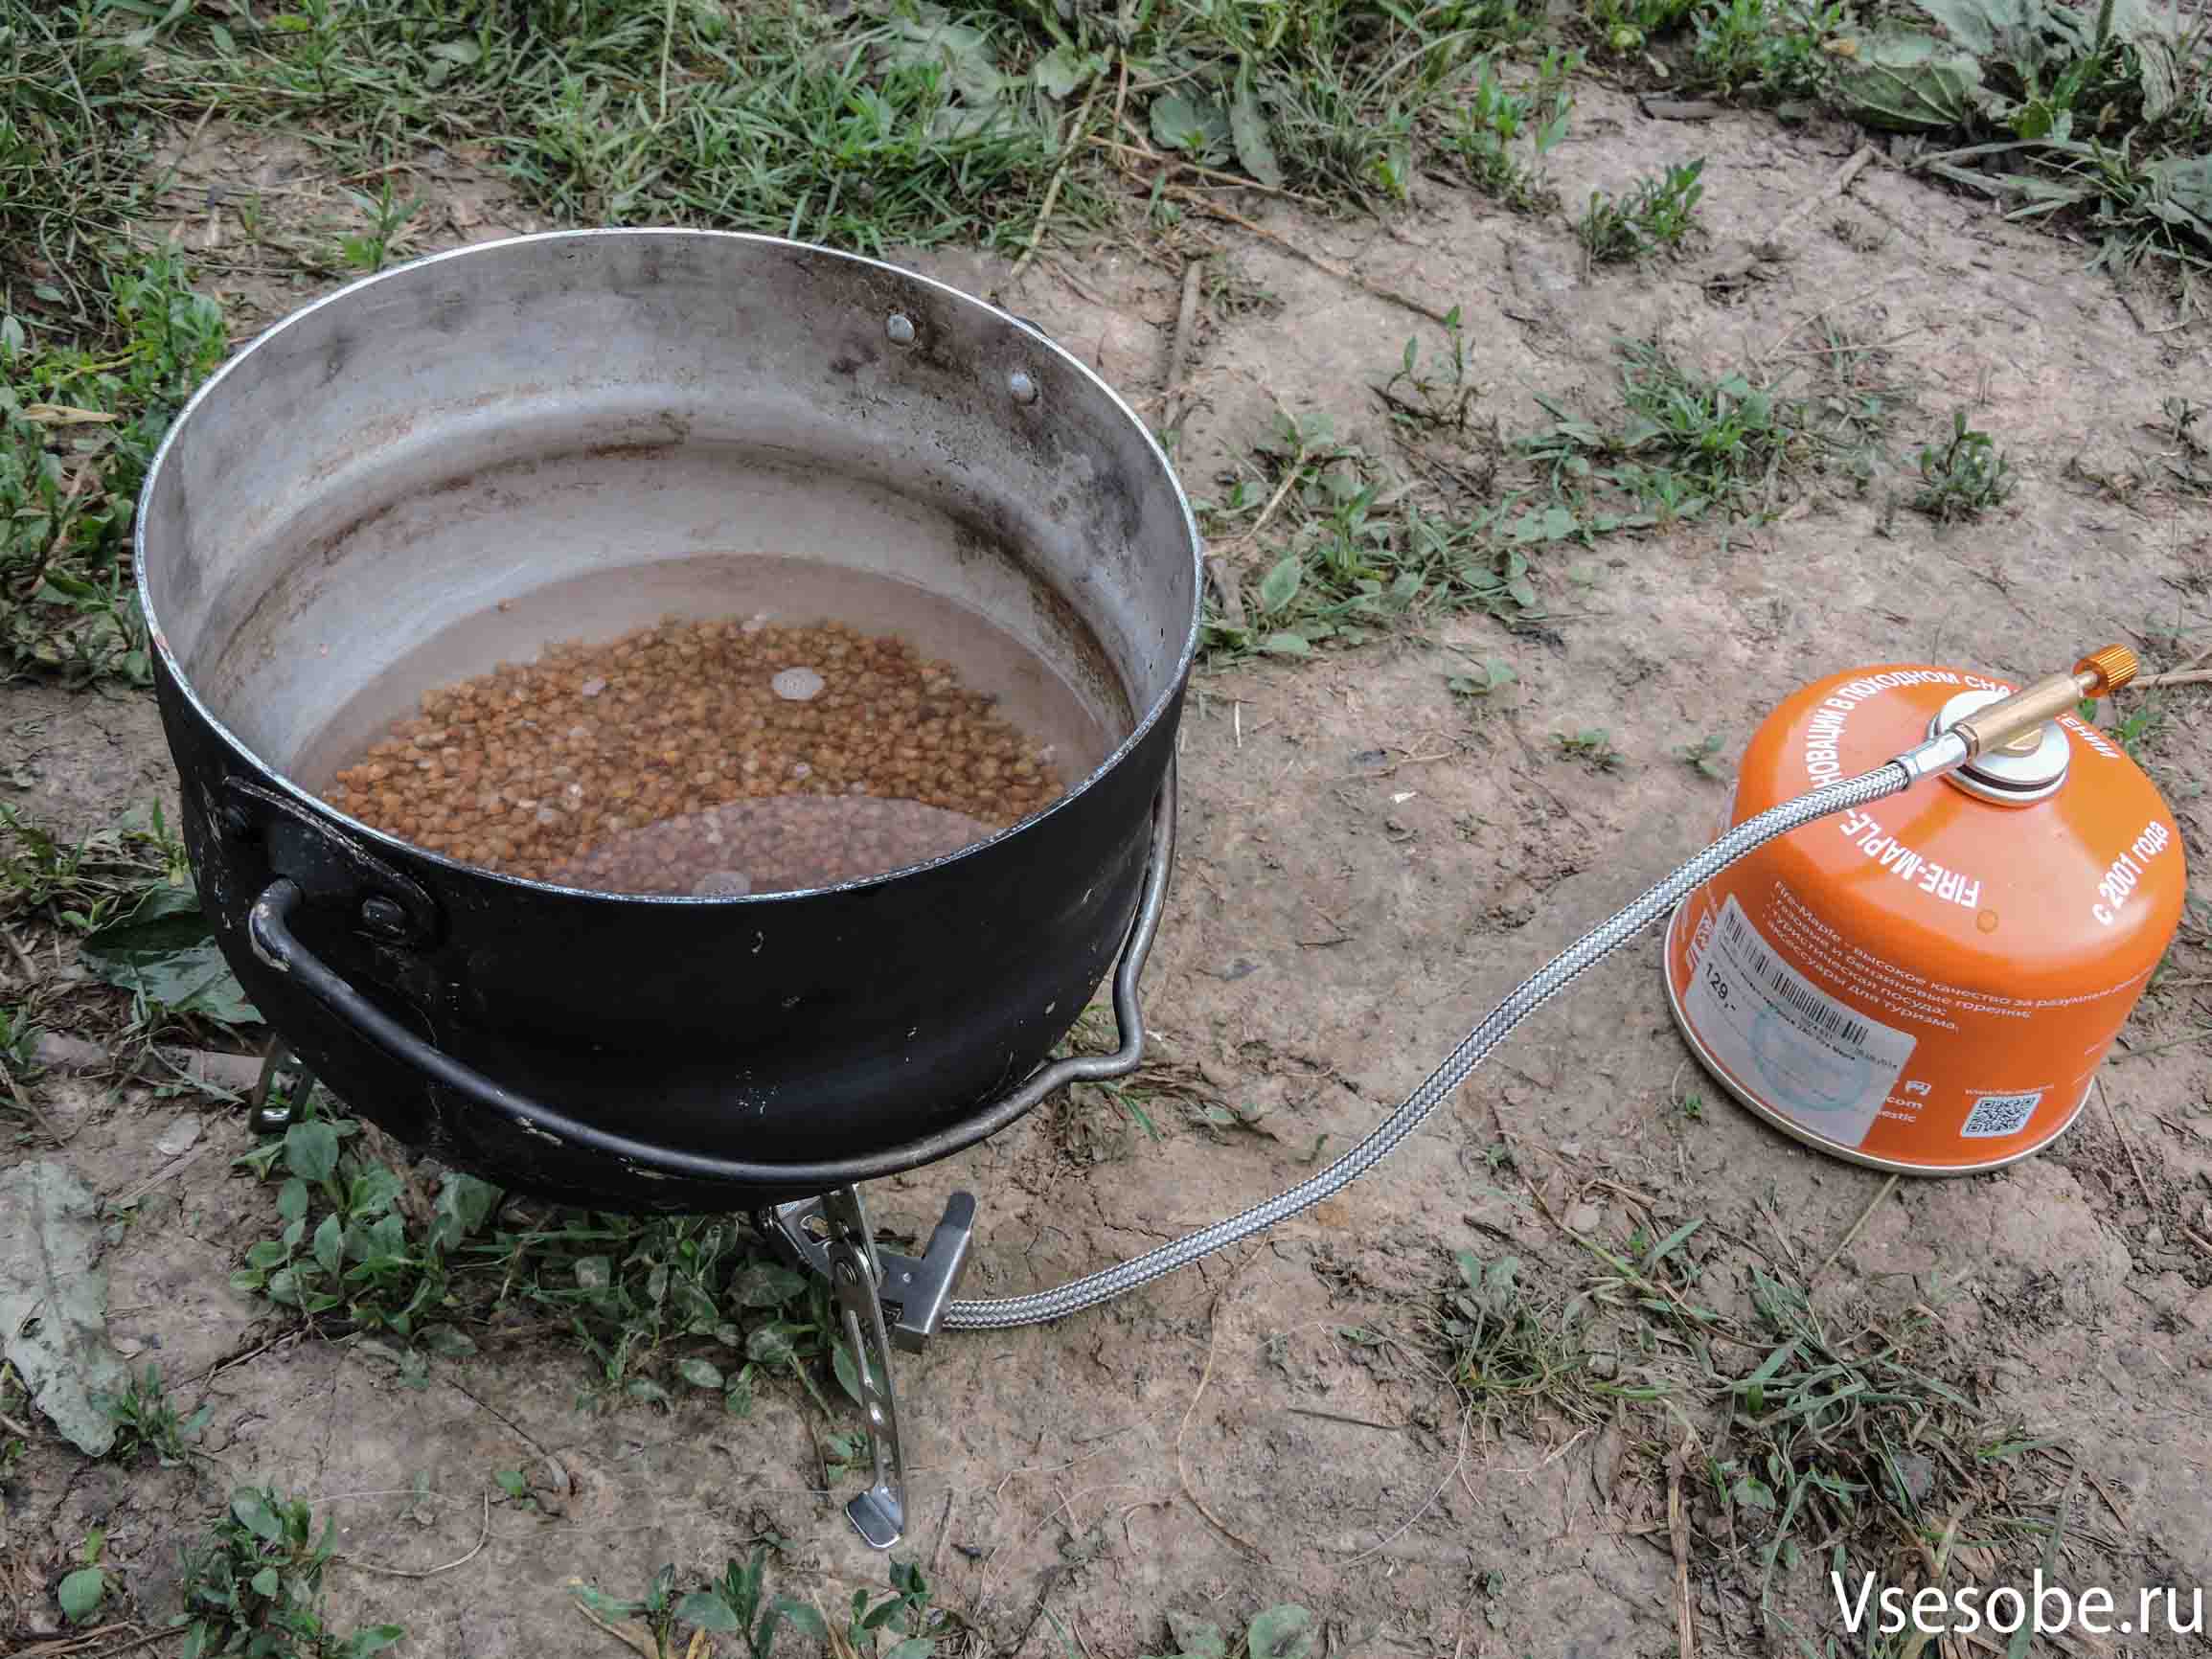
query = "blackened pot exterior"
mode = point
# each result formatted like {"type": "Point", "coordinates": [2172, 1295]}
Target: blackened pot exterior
{"type": "Point", "coordinates": [782, 1030]}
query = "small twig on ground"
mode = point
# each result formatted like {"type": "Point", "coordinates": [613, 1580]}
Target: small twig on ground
{"type": "Point", "coordinates": [430, 1572]}
{"type": "Point", "coordinates": [943, 1531]}
{"type": "Point", "coordinates": [77, 1644]}
{"type": "Point", "coordinates": [175, 1167]}
{"type": "Point", "coordinates": [1327, 266]}
{"type": "Point", "coordinates": [2126, 1147]}
{"type": "Point", "coordinates": [1180, 344]}
{"type": "Point", "coordinates": [2178, 677]}
{"type": "Point", "coordinates": [1774, 1225]}
{"type": "Point", "coordinates": [1844, 1244]}
{"type": "Point", "coordinates": [30, 1109]}
{"type": "Point", "coordinates": [1052, 190]}
{"type": "Point", "coordinates": [1838, 182]}
{"type": "Point", "coordinates": [1458, 1461]}
{"type": "Point", "coordinates": [1213, 1330]}
{"type": "Point", "coordinates": [628, 1633]}
{"type": "Point", "coordinates": [1678, 1537]}
{"type": "Point", "coordinates": [668, 40]}
{"type": "Point", "coordinates": [1237, 180]}
{"type": "Point", "coordinates": [1745, 256]}
{"type": "Point", "coordinates": [1680, 108]}
{"type": "Point", "coordinates": [1339, 1417]}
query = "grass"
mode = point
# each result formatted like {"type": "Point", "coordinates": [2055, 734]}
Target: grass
{"type": "Point", "coordinates": [1765, 50]}
{"type": "Point", "coordinates": [867, 127]}
{"type": "Point", "coordinates": [78, 425]}
{"type": "Point", "coordinates": [1592, 746]}
{"type": "Point", "coordinates": [1354, 552]}
{"type": "Point", "coordinates": [1655, 216]}
{"type": "Point", "coordinates": [1324, 546]}
{"type": "Point", "coordinates": [1818, 1445]}
{"type": "Point", "coordinates": [1962, 477]}
{"type": "Point", "coordinates": [1287, 1631]}
{"type": "Point", "coordinates": [1706, 756]}
{"type": "Point", "coordinates": [657, 1305]}
{"type": "Point", "coordinates": [736, 1602]}
{"type": "Point", "coordinates": [254, 1585]}
{"type": "Point", "coordinates": [2189, 462]}
{"type": "Point", "coordinates": [125, 895]}
{"type": "Point", "coordinates": [1509, 1353]}
{"type": "Point", "coordinates": [1500, 135]}
{"type": "Point", "coordinates": [147, 1419]}
{"type": "Point", "coordinates": [83, 885]}
{"type": "Point", "coordinates": [1685, 444]}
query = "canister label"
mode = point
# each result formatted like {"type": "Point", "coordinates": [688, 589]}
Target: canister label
{"type": "Point", "coordinates": [1818, 1062]}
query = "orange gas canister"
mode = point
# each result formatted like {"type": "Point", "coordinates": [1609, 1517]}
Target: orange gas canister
{"type": "Point", "coordinates": [1928, 983]}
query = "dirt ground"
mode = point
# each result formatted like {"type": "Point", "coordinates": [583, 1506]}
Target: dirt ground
{"type": "Point", "coordinates": [1366, 863]}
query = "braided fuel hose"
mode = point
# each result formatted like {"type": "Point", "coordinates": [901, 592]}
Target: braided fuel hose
{"type": "Point", "coordinates": [2093, 677]}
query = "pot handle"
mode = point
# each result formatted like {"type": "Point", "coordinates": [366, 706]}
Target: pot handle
{"type": "Point", "coordinates": [269, 933]}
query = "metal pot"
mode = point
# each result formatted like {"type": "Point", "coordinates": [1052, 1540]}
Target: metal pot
{"type": "Point", "coordinates": [498, 421]}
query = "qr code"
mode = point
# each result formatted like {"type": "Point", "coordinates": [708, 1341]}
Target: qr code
{"type": "Point", "coordinates": [2000, 1115]}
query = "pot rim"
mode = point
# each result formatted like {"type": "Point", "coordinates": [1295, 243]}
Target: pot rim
{"type": "Point", "coordinates": [1153, 716]}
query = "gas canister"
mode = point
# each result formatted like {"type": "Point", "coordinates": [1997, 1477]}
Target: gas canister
{"type": "Point", "coordinates": [1929, 984]}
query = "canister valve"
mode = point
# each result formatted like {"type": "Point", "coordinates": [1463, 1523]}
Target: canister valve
{"type": "Point", "coordinates": [2099, 674]}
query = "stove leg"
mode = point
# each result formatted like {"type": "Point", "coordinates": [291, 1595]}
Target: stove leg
{"type": "Point", "coordinates": [880, 1511]}
{"type": "Point", "coordinates": [884, 1300]}
{"type": "Point", "coordinates": [276, 1062]}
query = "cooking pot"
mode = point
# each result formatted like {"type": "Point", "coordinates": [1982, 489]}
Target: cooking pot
{"type": "Point", "coordinates": [463, 435]}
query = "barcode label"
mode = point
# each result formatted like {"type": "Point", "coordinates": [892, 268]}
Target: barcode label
{"type": "Point", "coordinates": [2000, 1115]}
{"type": "Point", "coordinates": [1824, 1014]}
{"type": "Point", "coordinates": [1814, 1059]}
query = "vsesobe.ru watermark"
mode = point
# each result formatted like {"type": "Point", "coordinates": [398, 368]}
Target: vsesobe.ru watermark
{"type": "Point", "coordinates": [2051, 1608]}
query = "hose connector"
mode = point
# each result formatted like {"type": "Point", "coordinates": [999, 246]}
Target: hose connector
{"type": "Point", "coordinates": [2020, 715]}
{"type": "Point", "coordinates": [2098, 675]}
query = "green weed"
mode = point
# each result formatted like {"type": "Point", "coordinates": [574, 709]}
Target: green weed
{"type": "Point", "coordinates": [254, 1586]}
{"type": "Point", "coordinates": [1361, 555]}
{"type": "Point", "coordinates": [655, 1304]}
{"type": "Point", "coordinates": [1287, 1632]}
{"type": "Point", "coordinates": [146, 1420]}
{"type": "Point", "coordinates": [857, 126]}
{"type": "Point", "coordinates": [1819, 1448]}
{"type": "Point", "coordinates": [1489, 132]}
{"type": "Point", "coordinates": [1771, 48]}
{"type": "Point", "coordinates": [1510, 1356]}
{"type": "Point", "coordinates": [1683, 444]}
{"type": "Point", "coordinates": [1439, 396]}
{"type": "Point", "coordinates": [2104, 112]}
{"type": "Point", "coordinates": [733, 1604]}
{"type": "Point", "coordinates": [75, 130]}
{"type": "Point", "coordinates": [2190, 460]}
{"type": "Point", "coordinates": [2139, 730]}
{"type": "Point", "coordinates": [1963, 477]}
{"type": "Point", "coordinates": [1703, 756]}
{"type": "Point", "coordinates": [371, 250]}
{"type": "Point", "coordinates": [345, 1254]}
{"type": "Point", "coordinates": [80, 887]}
{"type": "Point", "coordinates": [1659, 213]}
{"type": "Point", "coordinates": [83, 1588]}
{"type": "Point", "coordinates": [1627, 26]}
{"type": "Point", "coordinates": [1592, 746]}
{"type": "Point", "coordinates": [1487, 675]}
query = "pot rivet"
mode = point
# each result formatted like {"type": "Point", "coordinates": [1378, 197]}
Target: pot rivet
{"type": "Point", "coordinates": [900, 329]}
{"type": "Point", "coordinates": [383, 916]}
{"type": "Point", "coordinates": [1023, 388]}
